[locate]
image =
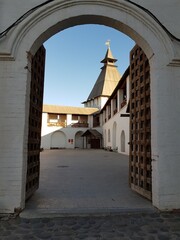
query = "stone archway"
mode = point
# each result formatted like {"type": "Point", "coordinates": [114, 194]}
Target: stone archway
{"type": "Point", "coordinates": [58, 140]}
{"type": "Point", "coordinates": [79, 141]}
{"type": "Point", "coordinates": [29, 33]}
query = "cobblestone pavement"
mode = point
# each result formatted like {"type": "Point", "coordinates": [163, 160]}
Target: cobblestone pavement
{"type": "Point", "coordinates": [136, 226]}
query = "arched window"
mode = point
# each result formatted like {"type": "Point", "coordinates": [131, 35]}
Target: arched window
{"type": "Point", "coordinates": [105, 138]}
{"type": "Point", "coordinates": [109, 135]}
{"type": "Point", "coordinates": [79, 140]}
{"type": "Point", "coordinates": [123, 141]}
{"type": "Point", "coordinates": [58, 140]}
{"type": "Point", "coordinates": [114, 136]}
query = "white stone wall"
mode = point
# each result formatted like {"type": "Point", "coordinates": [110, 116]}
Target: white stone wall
{"type": "Point", "coordinates": [161, 48]}
{"type": "Point", "coordinates": [117, 125]}
{"type": "Point", "coordinates": [69, 133]}
{"type": "Point", "coordinates": [122, 125]}
{"type": "Point", "coordinates": [18, 8]}
{"type": "Point", "coordinates": [98, 102]}
{"type": "Point", "coordinates": [13, 135]}
{"type": "Point", "coordinates": [47, 133]}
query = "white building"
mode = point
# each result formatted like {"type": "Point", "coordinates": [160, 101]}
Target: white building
{"type": "Point", "coordinates": [75, 127]}
{"type": "Point", "coordinates": [62, 127]}
{"type": "Point", "coordinates": [115, 119]}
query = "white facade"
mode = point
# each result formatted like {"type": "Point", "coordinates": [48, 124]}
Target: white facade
{"type": "Point", "coordinates": [64, 137]}
{"type": "Point", "coordinates": [98, 102]}
{"type": "Point", "coordinates": [160, 40]}
{"type": "Point", "coordinates": [116, 124]}
{"type": "Point", "coordinates": [116, 133]}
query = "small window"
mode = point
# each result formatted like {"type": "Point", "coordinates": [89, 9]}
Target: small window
{"type": "Point", "coordinates": [109, 135]}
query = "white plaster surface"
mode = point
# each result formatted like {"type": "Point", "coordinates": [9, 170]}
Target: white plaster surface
{"type": "Point", "coordinates": [122, 124]}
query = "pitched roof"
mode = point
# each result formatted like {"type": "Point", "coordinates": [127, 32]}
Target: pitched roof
{"type": "Point", "coordinates": [119, 86]}
{"type": "Point", "coordinates": [108, 78]}
{"type": "Point", "coordinates": [109, 56]}
{"type": "Point", "coordinates": [68, 110]}
{"type": "Point", "coordinates": [93, 132]}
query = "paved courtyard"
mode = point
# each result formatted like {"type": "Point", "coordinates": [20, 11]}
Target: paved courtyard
{"type": "Point", "coordinates": [84, 194]}
{"type": "Point", "coordinates": [84, 182]}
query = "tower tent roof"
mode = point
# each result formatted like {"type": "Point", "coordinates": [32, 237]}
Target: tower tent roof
{"type": "Point", "coordinates": [108, 78]}
{"type": "Point", "coordinates": [108, 56]}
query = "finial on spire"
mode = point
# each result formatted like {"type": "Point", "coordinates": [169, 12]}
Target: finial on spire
{"type": "Point", "coordinates": [108, 43]}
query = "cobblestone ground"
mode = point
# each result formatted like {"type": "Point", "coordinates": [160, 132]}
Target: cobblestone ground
{"type": "Point", "coordinates": [136, 226]}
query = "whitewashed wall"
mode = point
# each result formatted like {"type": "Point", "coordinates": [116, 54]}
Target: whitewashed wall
{"type": "Point", "coordinates": [69, 133]}
{"type": "Point", "coordinates": [47, 134]}
{"type": "Point", "coordinates": [122, 125]}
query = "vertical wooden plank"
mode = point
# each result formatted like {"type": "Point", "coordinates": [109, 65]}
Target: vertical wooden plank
{"type": "Point", "coordinates": [35, 116]}
{"type": "Point", "coordinates": [140, 124]}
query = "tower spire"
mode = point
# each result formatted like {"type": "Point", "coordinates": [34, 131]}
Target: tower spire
{"type": "Point", "coordinates": [109, 59]}
{"type": "Point", "coordinates": [107, 80]}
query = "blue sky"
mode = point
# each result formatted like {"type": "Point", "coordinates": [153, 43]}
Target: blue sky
{"type": "Point", "coordinates": [73, 59]}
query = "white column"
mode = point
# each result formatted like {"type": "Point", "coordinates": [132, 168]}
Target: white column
{"type": "Point", "coordinates": [14, 134]}
{"type": "Point", "coordinates": [165, 115]}
{"type": "Point", "coordinates": [90, 121]}
{"type": "Point", "coordinates": [69, 120]}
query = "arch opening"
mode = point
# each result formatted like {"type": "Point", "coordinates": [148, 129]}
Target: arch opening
{"type": "Point", "coordinates": [123, 141]}
{"type": "Point", "coordinates": [92, 19]}
{"type": "Point", "coordinates": [79, 141]}
{"type": "Point", "coordinates": [114, 136]}
{"type": "Point", "coordinates": [58, 140]}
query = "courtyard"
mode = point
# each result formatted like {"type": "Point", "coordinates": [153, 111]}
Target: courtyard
{"type": "Point", "coordinates": [82, 181]}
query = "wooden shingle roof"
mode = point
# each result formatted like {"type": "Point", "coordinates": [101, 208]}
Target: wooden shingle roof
{"type": "Point", "coordinates": [68, 110]}
{"type": "Point", "coordinates": [108, 78]}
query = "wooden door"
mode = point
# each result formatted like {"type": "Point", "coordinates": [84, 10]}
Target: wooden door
{"type": "Point", "coordinates": [35, 116]}
{"type": "Point", "coordinates": [95, 143]}
{"type": "Point", "coordinates": [140, 123]}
